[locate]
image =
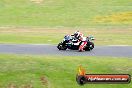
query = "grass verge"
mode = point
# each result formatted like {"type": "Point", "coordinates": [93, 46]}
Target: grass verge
{"type": "Point", "coordinates": [64, 13]}
{"type": "Point", "coordinates": [27, 71]}
{"type": "Point", "coordinates": [112, 36]}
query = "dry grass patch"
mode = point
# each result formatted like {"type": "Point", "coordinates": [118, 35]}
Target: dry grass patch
{"type": "Point", "coordinates": [37, 1]}
{"type": "Point", "coordinates": [66, 30]}
{"type": "Point", "coordinates": [115, 18]}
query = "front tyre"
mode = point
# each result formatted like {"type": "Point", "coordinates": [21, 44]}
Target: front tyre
{"type": "Point", "coordinates": [90, 46]}
{"type": "Point", "coordinates": [61, 46]}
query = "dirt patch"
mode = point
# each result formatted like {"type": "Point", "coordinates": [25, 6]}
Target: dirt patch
{"type": "Point", "coordinates": [45, 82]}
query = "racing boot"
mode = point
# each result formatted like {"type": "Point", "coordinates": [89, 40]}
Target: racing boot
{"type": "Point", "coordinates": [81, 47]}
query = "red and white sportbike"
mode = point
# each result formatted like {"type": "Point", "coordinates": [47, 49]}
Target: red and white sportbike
{"type": "Point", "coordinates": [71, 43]}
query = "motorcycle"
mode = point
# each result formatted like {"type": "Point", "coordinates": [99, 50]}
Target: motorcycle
{"type": "Point", "coordinates": [71, 43]}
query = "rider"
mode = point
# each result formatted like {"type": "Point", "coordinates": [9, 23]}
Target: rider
{"type": "Point", "coordinates": [79, 36]}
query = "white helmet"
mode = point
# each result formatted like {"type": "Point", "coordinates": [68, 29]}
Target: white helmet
{"type": "Point", "coordinates": [76, 34]}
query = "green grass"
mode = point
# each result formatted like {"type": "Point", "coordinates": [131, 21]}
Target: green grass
{"type": "Point", "coordinates": [103, 16]}
{"type": "Point", "coordinates": [58, 71]}
{"type": "Point", "coordinates": [21, 16]}
{"type": "Point", "coordinates": [54, 36]}
{"type": "Point", "coordinates": [62, 13]}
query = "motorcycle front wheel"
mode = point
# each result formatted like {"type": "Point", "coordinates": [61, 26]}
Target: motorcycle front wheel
{"type": "Point", "coordinates": [89, 46]}
{"type": "Point", "coordinates": [61, 46]}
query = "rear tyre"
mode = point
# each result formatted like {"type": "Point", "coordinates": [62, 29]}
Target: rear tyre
{"type": "Point", "coordinates": [61, 46]}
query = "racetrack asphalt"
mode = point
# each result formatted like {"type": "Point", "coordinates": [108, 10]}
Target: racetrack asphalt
{"type": "Point", "coordinates": [115, 51]}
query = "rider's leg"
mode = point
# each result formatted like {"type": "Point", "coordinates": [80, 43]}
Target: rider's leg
{"type": "Point", "coordinates": [81, 47]}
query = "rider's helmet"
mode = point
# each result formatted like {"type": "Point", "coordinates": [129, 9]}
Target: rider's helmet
{"type": "Point", "coordinates": [76, 34]}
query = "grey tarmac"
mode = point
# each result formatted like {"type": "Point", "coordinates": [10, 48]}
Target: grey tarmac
{"type": "Point", "coordinates": [115, 51]}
